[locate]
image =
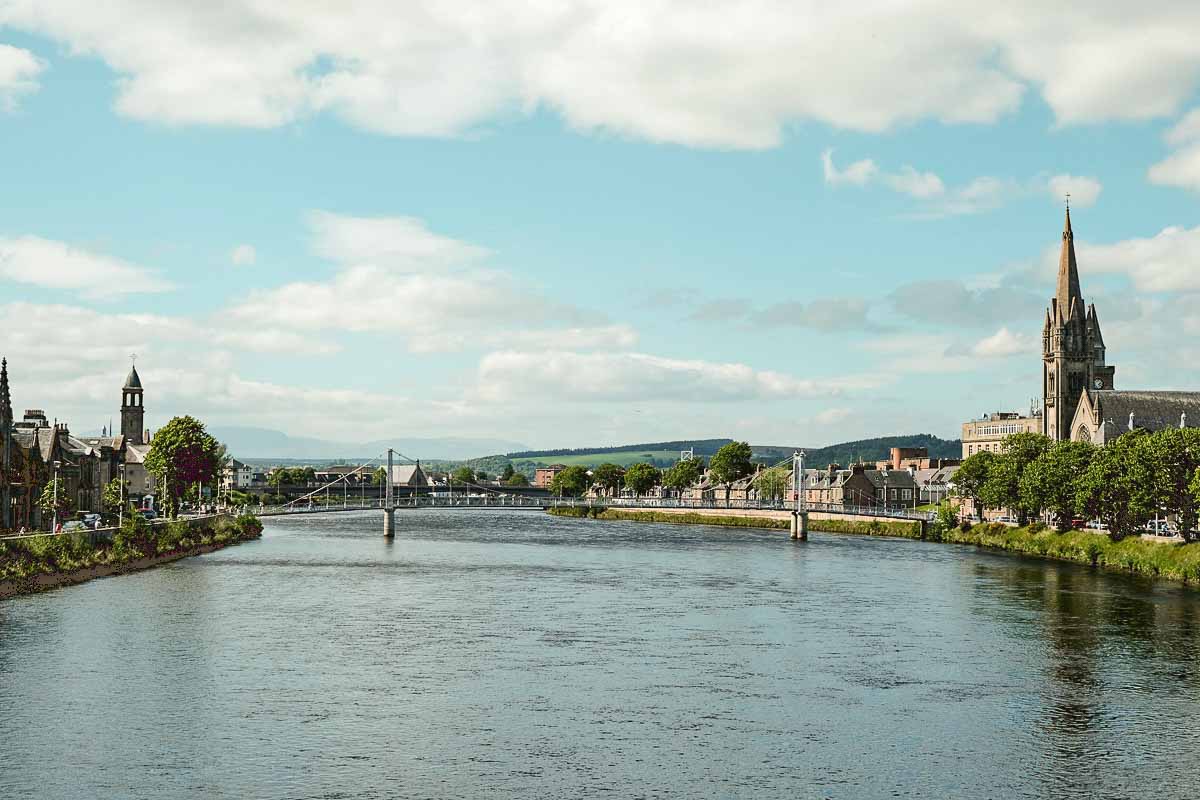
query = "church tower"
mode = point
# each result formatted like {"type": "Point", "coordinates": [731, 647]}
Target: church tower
{"type": "Point", "coordinates": [6, 449]}
{"type": "Point", "coordinates": [1072, 347]}
{"type": "Point", "coordinates": [132, 412]}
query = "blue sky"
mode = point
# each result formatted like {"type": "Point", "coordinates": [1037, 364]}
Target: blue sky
{"type": "Point", "coordinates": [591, 224]}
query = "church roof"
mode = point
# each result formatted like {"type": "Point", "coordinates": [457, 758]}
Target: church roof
{"type": "Point", "coordinates": [132, 380]}
{"type": "Point", "coordinates": [408, 475]}
{"type": "Point", "coordinates": [1068, 274]}
{"type": "Point", "coordinates": [1151, 410]}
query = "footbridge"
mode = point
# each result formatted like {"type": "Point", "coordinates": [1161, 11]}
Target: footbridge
{"type": "Point", "coordinates": [475, 497]}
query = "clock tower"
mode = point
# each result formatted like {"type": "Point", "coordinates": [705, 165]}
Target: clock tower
{"type": "Point", "coordinates": [1072, 347]}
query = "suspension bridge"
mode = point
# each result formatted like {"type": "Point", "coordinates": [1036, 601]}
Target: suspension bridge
{"type": "Point", "coordinates": [478, 497]}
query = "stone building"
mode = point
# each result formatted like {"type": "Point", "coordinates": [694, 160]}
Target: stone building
{"type": "Point", "coordinates": [989, 431]}
{"type": "Point", "coordinates": [1072, 347]}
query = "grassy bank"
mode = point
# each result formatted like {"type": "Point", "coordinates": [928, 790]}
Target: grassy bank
{"type": "Point", "coordinates": [679, 519]}
{"type": "Point", "coordinates": [1171, 560]}
{"type": "Point", "coordinates": [23, 560]}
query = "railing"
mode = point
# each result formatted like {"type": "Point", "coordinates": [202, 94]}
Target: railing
{"type": "Point", "coordinates": [504, 502]}
{"type": "Point", "coordinates": [105, 534]}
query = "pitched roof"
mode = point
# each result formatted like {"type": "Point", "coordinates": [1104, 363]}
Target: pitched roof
{"type": "Point", "coordinates": [132, 381]}
{"type": "Point", "coordinates": [408, 475]}
{"type": "Point", "coordinates": [1151, 410]}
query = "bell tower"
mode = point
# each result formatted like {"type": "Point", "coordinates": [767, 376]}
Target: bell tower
{"type": "Point", "coordinates": [1072, 347]}
{"type": "Point", "coordinates": [132, 411]}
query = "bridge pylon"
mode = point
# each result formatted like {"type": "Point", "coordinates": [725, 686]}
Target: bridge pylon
{"type": "Point", "coordinates": [389, 504]}
{"type": "Point", "coordinates": [800, 514]}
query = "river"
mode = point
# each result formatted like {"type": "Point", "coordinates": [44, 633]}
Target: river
{"type": "Point", "coordinates": [518, 655]}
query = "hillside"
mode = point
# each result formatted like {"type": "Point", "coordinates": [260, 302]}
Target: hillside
{"type": "Point", "coordinates": [666, 453]}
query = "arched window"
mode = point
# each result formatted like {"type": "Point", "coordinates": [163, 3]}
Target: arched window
{"type": "Point", "coordinates": [1083, 434]}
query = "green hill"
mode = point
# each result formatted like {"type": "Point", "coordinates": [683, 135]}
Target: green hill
{"type": "Point", "coordinates": [664, 454]}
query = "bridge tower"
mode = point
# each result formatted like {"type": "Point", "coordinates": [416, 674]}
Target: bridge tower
{"type": "Point", "coordinates": [800, 514]}
{"type": "Point", "coordinates": [389, 505]}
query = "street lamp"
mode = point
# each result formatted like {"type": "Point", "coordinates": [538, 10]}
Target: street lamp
{"type": "Point", "coordinates": [885, 489]}
{"type": "Point", "coordinates": [121, 505]}
{"type": "Point", "coordinates": [54, 524]}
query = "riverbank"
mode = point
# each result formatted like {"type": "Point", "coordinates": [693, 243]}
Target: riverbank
{"type": "Point", "coordinates": [41, 563]}
{"type": "Point", "coordinates": [1149, 558]}
{"type": "Point", "coordinates": [739, 518]}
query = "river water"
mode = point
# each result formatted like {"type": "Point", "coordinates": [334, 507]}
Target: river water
{"type": "Point", "coordinates": [519, 655]}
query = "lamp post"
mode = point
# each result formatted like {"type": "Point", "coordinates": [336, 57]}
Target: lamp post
{"type": "Point", "coordinates": [54, 524]}
{"type": "Point", "coordinates": [885, 489]}
{"type": "Point", "coordinates": [121, 505]}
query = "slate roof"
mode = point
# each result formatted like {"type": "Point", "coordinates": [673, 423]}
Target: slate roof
{"type": "Point", "coordinates": [1151, 410]}
{"type": "Point", "coordinates": [136, 453]}
{"type": "Point", "coordinates": [132, 380]}
{"type": "Point", "coordinates": [408, 475]}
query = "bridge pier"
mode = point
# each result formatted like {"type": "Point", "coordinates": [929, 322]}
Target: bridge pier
{"type": "Point", "coordinates": [389, 523]}
{"type": "Point", "coordinates": [800, 526]}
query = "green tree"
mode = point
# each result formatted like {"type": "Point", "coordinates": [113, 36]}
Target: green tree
{"type": "Point", "coordinates": [731, 462]}
{"type": "Point", "coordinates": [481, 475]}
{"type": "Point", "coordinates": [1048, 482]}
{"type": "Point", "coordinates": [772, 484]}
{"type": "Point", "coordinates": [49, 500]}
{"type": "Point", "coordinates": [1161, 467]}
{"type": "Point", "coordinates": [684, 474]}
{"type": "Point", "coordinates": [112, 497]}
{"type": "Point", "coordinates": [516, 480]}
{"type": "Point", "coordinates": [463, 475]}
{"type": "Point", "coordinates": [608, 477]}
{"type": "Point", "coordinates": [1003, 486]}
{"type": "Point", "coordinates": [641, 478]}
{"type": "Point", "coordinates": [507, 473]}
{"type": "Point", "coordinates": [182, 453]}
{"type": "Point", "coordinates": [972, 476]}
{"type": "Point", "coordinates": [571, 482]}
{"type": "Point", "coordinates": [307, 475]}
{"type": "Point", "coordinates": [378, 476]}
{"type": "Point", "coordinates": [1105, 490]}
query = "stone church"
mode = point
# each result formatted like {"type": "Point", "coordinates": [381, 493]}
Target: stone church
{"type": "Point", "coordinates": [1081, 401]}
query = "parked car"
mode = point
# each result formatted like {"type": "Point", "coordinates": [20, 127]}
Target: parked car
{"type": "Point", "coordinates": [73, 525]}
{"type": "Point", "coordinates": [92, 521]}
{"type": "Point", "coordinates": [1078, 523]}
{"type": "Point", "coordinates": [1006, 520]}
{"type": "Point", "coordinates": [149, 514]}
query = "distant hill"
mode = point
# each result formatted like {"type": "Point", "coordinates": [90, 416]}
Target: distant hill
{"type": "Point", "coordinates": [666, 453]}
{"type": "Point", "coordinates": [863, 450]}
{"type": "Point", "coordinates": [263, 443]}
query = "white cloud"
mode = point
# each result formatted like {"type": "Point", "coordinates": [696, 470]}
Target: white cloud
{"type": "Point", "coordinates": [19, 71]}
{"type": "Point", "coordinates": [1180, 169]}
{"type": "Point", "coordinates": [860, 173]}
{"type": "Point", "coordinates": [56, 265]}
{"type": "Point", "coordinates": [1083, 191]}
{"type": "Point", "coordinates": [731, 73]}
{"type": "Point", "coordinates": [243, 255]}
{"type": "Point", "coordinates": [915, 184]}
{"type": "Point", "coordinates": [396, 276]}
{"type": "Point", "coordinates": [1166, 262]}
{"type": "Point", "coordinates": [832, 416]}
{"type": "Point", "coordinates": [1004, 343]}
{"type": "Point", "coordinates": [638, 377]}
{"type": "Point", "coordinates": [399, 243]}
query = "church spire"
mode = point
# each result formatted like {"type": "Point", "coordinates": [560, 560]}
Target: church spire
{"type": "Point", "coordinates": [1068, 273]}
{"type": "Point", "coordinates": [6, 412]}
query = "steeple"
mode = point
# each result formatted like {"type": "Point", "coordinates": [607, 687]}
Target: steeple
{"type": "Point", "coordinates": [6, 412]}
{"type": "Point", "coordinates": [1068, 273]}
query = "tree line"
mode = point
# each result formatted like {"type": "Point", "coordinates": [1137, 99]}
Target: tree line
{"type": "Point", "coordinates": [1126, 483]}
{"type": "Point", "coordinates": [731, 462]}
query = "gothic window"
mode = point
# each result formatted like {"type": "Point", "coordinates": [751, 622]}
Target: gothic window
{"type": "Point", "coordinates": [1083, 434]}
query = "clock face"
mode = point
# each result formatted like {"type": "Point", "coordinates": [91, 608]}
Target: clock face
{"type": "Point", "coordinates": [1099, 384]}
